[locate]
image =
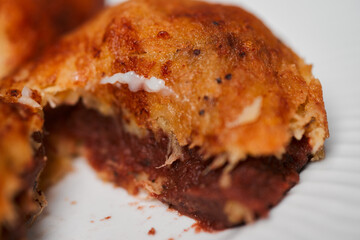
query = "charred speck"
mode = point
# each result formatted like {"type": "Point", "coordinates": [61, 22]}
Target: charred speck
{"type": "Point", "coordinates": [228, 76]}
{"type": "Point", "coordinates": [218, 80]}
{"type": "Point", "coordinates": [242, 54]}
{"type": "Point", "coordinates": [163, 34]}
{"type": "Point", "coordinates": [37, 137]}
{"type": "Point", "coordinates": [14, 92]}
{"type": "Point", "coordinates": [197, 52]}
{"type": "Point", "coordinates": [215, 23]}
{"type": "Point", "coordinates": [206, 98]}
{"type": "Point", "coordinates": [201, 112]}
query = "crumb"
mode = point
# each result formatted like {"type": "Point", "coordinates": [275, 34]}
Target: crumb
{"type": "Point", "coordinates": [92, 221]}
{"type": "Point", "coordinates": [198, 227]}
{"type": "Point", "coordinates": [148, 218]}
{"type": "Point", "coordinates": [73, 202]}
{"type": "Point", "coordinates": [152, 231]}
{"type": "Point", "coordinates": [106, 218]}
{"type": "Point", "coordinates": [152, 206]}
{"type": "Point", "coordinates": [140, 207]}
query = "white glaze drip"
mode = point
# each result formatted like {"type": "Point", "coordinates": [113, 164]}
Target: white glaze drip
{"type": "Point", "coordinates": [136, 83]}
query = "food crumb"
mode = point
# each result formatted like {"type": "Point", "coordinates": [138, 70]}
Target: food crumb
{"type": "Point", "coordinates": [170, 239]}
{"type": "Point", "coordinates": [148, 218]}
{"type": "Point", "coordinates": [140, 207]}
{"type": "Point", "coordinates": [106, 218]}
{"type": "Point", "coordinates": [152, 231]}
{"type": "Point", "coordinates": [73, 202]}
{"type": "Point", "coordinates": [198, 227]}
{"type": "Point", "coordinates": [92, 221]}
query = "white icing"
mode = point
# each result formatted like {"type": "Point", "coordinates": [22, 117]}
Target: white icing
{"type": "Point", "coordinates": [26, 98]}
{"type": "Point", "coordinates": [136, 82]}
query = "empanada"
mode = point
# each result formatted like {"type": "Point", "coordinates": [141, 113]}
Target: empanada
{"type": "Point", "coordinates": [199, 104]}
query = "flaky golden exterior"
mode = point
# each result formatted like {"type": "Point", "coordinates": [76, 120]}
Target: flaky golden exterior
{"type": "Point", "coordinates": [18, 166]}
{"type": "Point", "coordinates": [27, 26]}
{"type": "Point", "coordinates": [237, 89]}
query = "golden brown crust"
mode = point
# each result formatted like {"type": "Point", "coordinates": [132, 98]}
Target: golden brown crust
{"type": "Point", "coordinates": [237, 90]}
{"type": "Point", "coordinates": [193, 46]}
{"type": "Point", "coordinates": [21, 159]}
{"type": "Point", "coordinates": [27, 26]}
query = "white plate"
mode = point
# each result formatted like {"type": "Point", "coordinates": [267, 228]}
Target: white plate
{"type": "Point", "coordinates": [326, 202]}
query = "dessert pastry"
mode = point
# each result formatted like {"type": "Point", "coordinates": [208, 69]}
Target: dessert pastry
{"type": "Point", "coordinates": [27, 26]}
{"type": "Point", "coordinates": [22, 157]}
{"type": "Point", "coordinates": [197, 103]}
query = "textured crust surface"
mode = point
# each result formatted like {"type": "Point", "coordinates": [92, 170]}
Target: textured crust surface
{"type": "Point", "coordinates": [218, 60]}
{"type": "Point", "coordinates": [21, 160]}
{"type": "Point", "coordinates": [27, 26]}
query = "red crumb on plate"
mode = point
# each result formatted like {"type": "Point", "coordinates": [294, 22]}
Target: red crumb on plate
{"type": "Point", "coordinates": [152, 231]}
{"type": "Point", "coordinates": [105, 218]}
{"type": "Point", "coordinates": [198, 227]}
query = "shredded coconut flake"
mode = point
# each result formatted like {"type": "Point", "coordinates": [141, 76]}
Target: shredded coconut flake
{"type": "Point", "coordinates": [26, 98]}
{"type": "Point", "coordinates": [248, 115]}
{"type": "Point", "coordinates": [136, 82]}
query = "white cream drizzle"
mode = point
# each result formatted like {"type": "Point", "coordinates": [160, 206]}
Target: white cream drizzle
{"type": "Point", "coordinates": [26, 98]}
{"type": "Point", "coordinates": [136, 83]}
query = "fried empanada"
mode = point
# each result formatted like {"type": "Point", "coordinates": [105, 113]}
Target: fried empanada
{"type": "Point", "coordinates": [199, 104]}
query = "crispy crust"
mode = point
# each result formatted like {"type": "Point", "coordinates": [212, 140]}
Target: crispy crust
{"type": "Point", "coordinates": [26, 26]}
{"type": "Point", "coordinates": [236, 90]}
{"type": "Point", "coordinates": [203, 42]}
{"type": "Point", "coordinates": [21, 161]}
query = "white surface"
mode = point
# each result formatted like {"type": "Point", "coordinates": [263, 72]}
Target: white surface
{"type": "Point", "coordinates": [326, 203]}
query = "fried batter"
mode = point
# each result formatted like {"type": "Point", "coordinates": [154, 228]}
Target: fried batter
{"type": "Point", "coordinates": [207, 76]}
{"type": "Point", "coordinates": [27, 26]}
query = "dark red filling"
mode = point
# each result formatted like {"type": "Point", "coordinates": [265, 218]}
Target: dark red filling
{"type": "Point", "coordinates": [257, 183]}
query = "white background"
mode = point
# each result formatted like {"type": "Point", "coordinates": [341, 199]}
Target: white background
{"type": "Point", "coordinates": [325, 204]}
